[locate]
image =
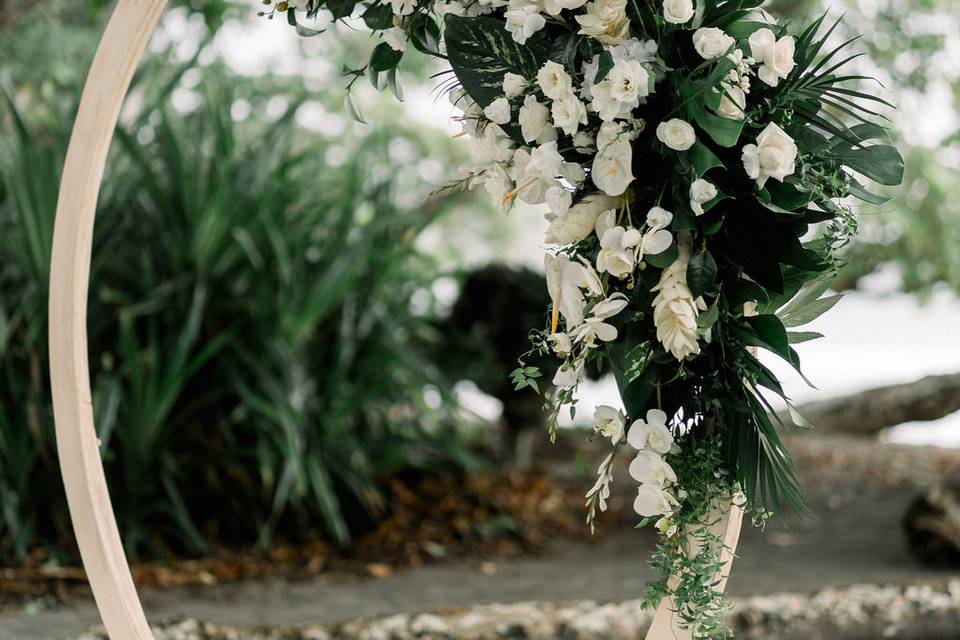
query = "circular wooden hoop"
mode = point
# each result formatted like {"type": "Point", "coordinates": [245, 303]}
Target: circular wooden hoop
{"type": "Point", "coordinates": [94, 523]}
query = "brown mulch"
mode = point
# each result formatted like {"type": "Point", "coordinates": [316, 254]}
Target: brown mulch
{"type": "Point", "coordinates": [482, 517]}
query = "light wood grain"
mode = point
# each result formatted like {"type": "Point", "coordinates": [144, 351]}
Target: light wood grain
{"type": "Point", "coordinates": [95, 527]}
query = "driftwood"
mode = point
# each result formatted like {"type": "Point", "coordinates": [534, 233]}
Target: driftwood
{"type": "Point", "coordinates": [860, 612]}
{"type": "Point", "coordinates": [869, 412]}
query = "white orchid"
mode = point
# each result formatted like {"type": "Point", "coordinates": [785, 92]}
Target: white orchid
{"type": "Point", "coordinates": [649, 467]}
{"type": "Point", "coordinates": [536, 172]}
{"type": "Point", "coordinates": [609, 422]}
{"type": "Point", "coordinates": [617, 256]}
{"type": "Point", "coordinates": [534, 119]}
{"type": "Point", "coordinates": [652, 433]}
{"type": "Point", "coordinates": [653, 501]}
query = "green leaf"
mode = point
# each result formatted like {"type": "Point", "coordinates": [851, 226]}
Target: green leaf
{"type": "Point", "coordinates": [701, 272]}
{"type": "Point", "coordinates": [770, 334]}
{"type": "Point", "coordinates": [425, 34]}
{"type": "Point", "coordinates": [663, 259]}
{"type": "Point", "coordinates": [604, 65]}
{"type": "Point", "coordinates": [799, 337]}
{"type": "Point", "coordinates": [384, 57]}
{"type": "Point", "coordinates": [378, 16]}
{"type": "Point", "coordinates": [810, 312]}
{"type": "Point", "coordinates": [341, 8]}
{"type": "Point", "coordinates": [703, 159]}
{"type": "Point", "coordinates": [481, 51]}
{"type": "Point", "coordinates": [352, 109]}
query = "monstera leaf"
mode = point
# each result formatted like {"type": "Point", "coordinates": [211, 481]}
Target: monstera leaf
{"type": "Point", "coordinates": [481, 51]}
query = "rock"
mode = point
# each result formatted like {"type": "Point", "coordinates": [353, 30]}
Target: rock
{"type": "Point", "coordinates": [932, 525]}
{"type": "Point", "coordinates": [860, 612]}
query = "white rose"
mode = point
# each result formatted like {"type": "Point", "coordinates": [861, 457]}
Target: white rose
{"type": "Point", "coordinates": [775, 56]}
{"type": "Point", "coordinates": [396, 38]}
{"type": "Point", "coordinates": [711, 42]}
{"type": "Point", "coordinates": [523, 19]}
{"type": "Point", "coordinates": [701, 192]}
{"type": "Point", "coordinates": [534, 121]}
{"type": "Point", "coordinates": [578, 222]}
{"type": "Point", "coordinates": [774, 156]}
{"type": "Point", "coordinates": [554, 81]}
{"type": "Point", "coordinates": [652, 501]}
{"type": "Point", "coordinates": [498, 111]}
{"type": "Point", "coordinates": [609, 422]}
{"type": "Point", "coordinates": [568, 114]}
{"type": "Point", "coordinates": [649, 467]}
{"type": "Point", "coordinates": [678, 11]}
{"type": "Point", "coordinates": [612, 169]}
{"type": "Point", "coordinates": [676, 134]}
{"type": "Point", "coordinates": [513, 84]}
{"type": "Point", "coordinates": [606, 21]}
{"type": "Point", "coordinates": [734, 101]}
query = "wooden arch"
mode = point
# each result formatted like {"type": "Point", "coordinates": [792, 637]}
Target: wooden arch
{"type": "Point", "coordinates": [94, 523]}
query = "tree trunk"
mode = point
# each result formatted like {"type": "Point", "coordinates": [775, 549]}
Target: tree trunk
{"type": "Point", "coordinates": [871, 411]}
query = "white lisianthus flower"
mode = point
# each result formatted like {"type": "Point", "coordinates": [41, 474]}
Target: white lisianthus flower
{"type": "Point", "coordinates": [651, 433]}
{"type": "Point", "coordinates": [612, 169]}
{"type": "Point", "coordinates": [712, 43]}
{"type": "Point", "coordinates": [513, 84]}
{"type": "Point", "coordinates": [403, 7]}
{"type": "Point", "coordinates": [609, 422]}
{"type": "Point", "coordinates": [774, 156]}
{"type": "Point", "coordinates": [568, 114]}
{"type": "Point", "coordinates": [562, 345]}
{"type": "Point", "coordinates": [674, 309]}
{"type": "Point", "coordinates": [616, 255]}
{"type": "Point", "coordinates": [523, 19]}
{"type": "Point", "coordinates": [534, 121]}
{"type": "Point", "coordinates": [649, 467]}
{"type": "Point", "coordinates": [734, 101]}
{"type": "Point", "coordinates": [678, 11]}
{"type": "Point", "coordinates": [605, 21]}
{"type": "Point", "coordinates": [559, 199]}
{"type": "Point", "coordinates": [554, 7]}
{"type": "Point", "coordinates": [634, 49]}
{"type": "Point", "coordinates": [701, 192]}
{"type": "Point", "coordinates": [498, 111]}
{"type": "Point", "coordinates": [554, 80]}
{"type": "Point", "coordinates": [567, 376]}
{"type": "Point", "coordinates": [653, 501]}
{"type": "Point", "coordinates": [396, 38]}
{"type": "Point", "coordinates": [774, 56]}
{"type": "Point", "coordinates": [577, 223]}
{"type": "Point", "coordinates": [677, 134]}
{"type": "Point", "coordinates": [564, 281]}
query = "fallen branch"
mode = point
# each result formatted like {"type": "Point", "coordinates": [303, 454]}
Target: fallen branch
{"type": "Point", "coordinates": [871, 411]}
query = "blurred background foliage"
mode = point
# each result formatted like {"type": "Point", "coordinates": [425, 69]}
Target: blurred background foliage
{"type": "Point", "coordinates": [259, 310]}
{"type": "Point", "coordinates": [268, 311]}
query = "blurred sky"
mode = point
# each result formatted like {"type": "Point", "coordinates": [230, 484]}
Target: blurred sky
{"type": "Point", "coordinates": [875, 336]}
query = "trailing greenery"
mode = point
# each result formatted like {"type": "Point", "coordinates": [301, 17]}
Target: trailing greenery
{"type": "Point", "coordinates": [254, 351]}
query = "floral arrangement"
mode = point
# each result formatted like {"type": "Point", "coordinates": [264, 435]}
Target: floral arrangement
{"type": "Point", "coordinates": [697, 160]}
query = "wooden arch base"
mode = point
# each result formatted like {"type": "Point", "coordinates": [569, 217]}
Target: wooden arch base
{"type": "Point", "coordinates": [94, 523]}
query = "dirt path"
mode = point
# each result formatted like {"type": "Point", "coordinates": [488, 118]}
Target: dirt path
{"type": "Point", "coordinates": [853, 537]}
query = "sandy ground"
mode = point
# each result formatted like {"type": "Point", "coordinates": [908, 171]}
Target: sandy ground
{"type": "Point", "coordinates": [858, 495]}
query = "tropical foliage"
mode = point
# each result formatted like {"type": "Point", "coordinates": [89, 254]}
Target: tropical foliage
{"type": "Point", "coordinates": [257, 362]}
